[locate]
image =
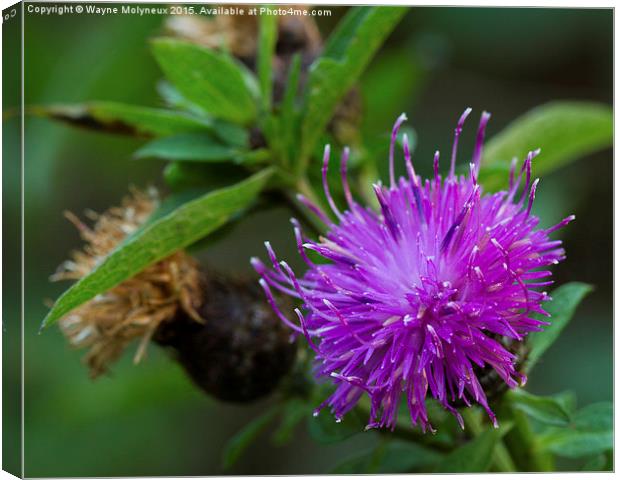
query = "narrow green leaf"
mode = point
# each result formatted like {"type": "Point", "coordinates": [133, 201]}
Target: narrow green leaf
{"type": "Point", "coordinates": [590, 433]}
{"type": "Point", "coordinates": [212, 80]}
{"type": "Point", "coordinates": [227, 132]}
{"type": "Point", "coordinates": [476, 455]}
{"type": "Point", "coordinates": [596, 417]}
{"type": "Point", "coordinates": [544, 409]}
{"type": "Point", "coordinates": [119, 118]}
{"type": "Point", "coordinates": [180, 228]}
{"type": "Point", "coordinates": [289, 119]}
{"type": "Point", "coordinates": [576, 443]}
{"type": "Point", "coordinates": [568, 400]}
{"type": "Point", "coordinates": [347, 52]}
{"type": "Point", "coordinates": [392, 457]}
{"type": "Point", "coordinates": [207, 176]}
{"type": "Point", "coordinates": [565, 301]}
{"type": "Point", "coordinates": [267, 36]}
{"type": "Point", "coordinates": [174, 99]}
{"type": "Point", "coordinates": [242, 440]}
{"type": "Point", "coordinates": [188, 146]}
{"type": "Point", "coordinates": [564, 131]}
{"type": "Point", "coordinates": [254, 157]}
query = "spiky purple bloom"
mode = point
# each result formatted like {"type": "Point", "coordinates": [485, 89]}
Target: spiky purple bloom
{"type": "Point", "coordinates": [416, 296]}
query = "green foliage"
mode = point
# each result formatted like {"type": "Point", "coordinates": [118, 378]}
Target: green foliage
{"type": "Point", "coordinates": [180, 176]}
{"type": "Point", "coordinates": [561, 309]}
{"type": "Point", "coordinates": [289, 117]}
{"type": "Point", "coordinates": [590, 433]}
{"type": "Point", "coordinates": [242, 440]}
{"type": "Point", "coordinates": [216, 102]}
{"type": "Point", "coordinates": [180, 228]}
{"type": "Point", "coordinates": [214, 81]}
{"type": "Point", "coordinates": [125, 119]}
{"type": "Point", "coordinates": [564, 131]}
{"type": "Point", "coordinates": [267, 37]}
{"type": "Point", "coordinates": [188, 146]}
{"type": "Point", "coordinates": [476, 455]}
{"type": "Point", "coordinates": [347, 52]}
{"type": "Point", "coordinates": [390, 457]}
{"type": "Point", "coordinates": [548, 410]}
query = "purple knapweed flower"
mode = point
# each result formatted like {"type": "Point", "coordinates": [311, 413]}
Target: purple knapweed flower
{"type": "Point", "coordinates": [415, 297]}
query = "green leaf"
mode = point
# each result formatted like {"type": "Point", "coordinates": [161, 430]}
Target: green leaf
{"type": "Point", "coordinates": [590, 433]}
{"type": "Point", "coordinates": [188, 147]}
{"type": "Point", "coordinates": [544, 409]}
{"type": "Point", "coordinates": [180, 228]}
{"type": "Point", "coordinates": [347, 52]}
{"type": "Point", "coordinates": [476, 455]}
{"type": "Point", "coordinates": [295, 411]}
{"type": "Point", "coordinates": [124, 119]}
{"type": "Point", "coordinates": [227, 132]}
{"type": "Point", "coordinates": [596, 416]}
{"type": "Point", "coordinates": [242, 440]}
{"type": "Point", "coordinates": [212, 80]}
{"type": "Point", "coordinates": [267, 36]}
{"type": "Point", "coordinates": [392, 457]}
{"type": "Point", "coordinates": [289, 118]}
{"type": "Point", "coordinates": [568, 400]}
{"type": "Point", "coordinates": [564, 131]}
{"type": "Point", "coordinates": [565, 301]}
{"type": "Point", "coordinates": [191, 175]}
{"type": "Point", "coordinates": [325, 429]}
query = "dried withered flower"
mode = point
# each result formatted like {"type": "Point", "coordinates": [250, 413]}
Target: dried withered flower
{"type": "Point", "coordinates": [220, 329]}
{"type": "Point", "coordinates": [135, 308]}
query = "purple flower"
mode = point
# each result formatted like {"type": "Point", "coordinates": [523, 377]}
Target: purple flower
{"type": "Point", "coordinates": [416, 298]}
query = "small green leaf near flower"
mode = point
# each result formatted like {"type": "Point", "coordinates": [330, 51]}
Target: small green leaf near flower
{"type": "Point", "coordinates": [565, 301]}
{"type": "Point", "coordinates": [564, 131]}
{"type": "Point", "coordinates": [590, 433]}
{"type": "Point", "coordinates": [545, 409]}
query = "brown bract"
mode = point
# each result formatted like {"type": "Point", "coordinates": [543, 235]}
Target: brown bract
{"type": "Point", "coordinates": [135, 308]}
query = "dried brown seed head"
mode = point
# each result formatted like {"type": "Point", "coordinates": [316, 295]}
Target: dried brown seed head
{"type": "Point", "coordinates": [135, 308]}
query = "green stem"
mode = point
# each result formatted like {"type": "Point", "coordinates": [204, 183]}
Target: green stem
{"type": "Point", "coordinates": [534, 459]}
{"type": "Point", "coordinates": [501, 457]}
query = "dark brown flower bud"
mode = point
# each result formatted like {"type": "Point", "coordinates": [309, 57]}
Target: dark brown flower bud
{"type": "Point", "coordinates": [220, 329]}
{"type": "Point", "coordinates": [240, 351]}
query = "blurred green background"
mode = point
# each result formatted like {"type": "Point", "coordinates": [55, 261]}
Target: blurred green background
{"type": "Point", "coordinates": [150, 420]}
